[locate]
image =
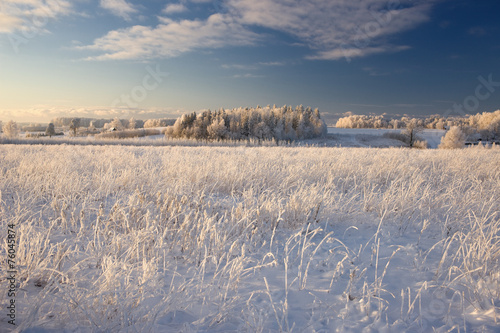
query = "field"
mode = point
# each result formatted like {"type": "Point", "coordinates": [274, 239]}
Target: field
{"type": "Point", "coordinates": [256, 239]}
{"type": "Point", "coordinates": [336, 137]}
{"type": "Point", "coordinates": [369, 137]}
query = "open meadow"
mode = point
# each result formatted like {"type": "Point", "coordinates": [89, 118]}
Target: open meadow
{"type": "Point", "coordinates": [251, 239]}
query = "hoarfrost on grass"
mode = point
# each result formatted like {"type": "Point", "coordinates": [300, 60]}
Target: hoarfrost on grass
{"type": "Point", "coordinates": [252, 239]}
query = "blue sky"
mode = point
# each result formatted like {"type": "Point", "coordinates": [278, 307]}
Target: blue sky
{"type": "Point", "coordinates": [160, 58]}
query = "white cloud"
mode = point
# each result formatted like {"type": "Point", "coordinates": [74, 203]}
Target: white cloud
{"type": "Point", "coordinates": [336, 27]}
{"type": "Point", "coordinates": [119, 8]}
{"type": "Point", "coordinates": [239, 67]}
{"type": "Point", "coordinates": [251, 67]}
{"type": "Point", "coordinates": [170, 38]}
{"type": "Point", "coordinates": [30, 15]}
{"type": "Point", "coordinates": [44, 114]}
{"type": "Point", "coordinates": [273, 63]}
{"type": "Point", "coordinates": [173, 8]}
{"type": "Point", "coordinates": [477, 31]}
{"type": "Point", "coordinates": [9, 23]}
{"type": "Point", "coordinates": [349, 52]}
{"type": "Point", "coordinates": [332, 29]}
{"type": "Point", "coordinates": [374, 72]}
{"type": "Point", "coordinates": [247, 76]}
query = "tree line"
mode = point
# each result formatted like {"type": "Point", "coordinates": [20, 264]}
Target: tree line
{"type": "Point", "coordinates": [485, 126]}
{"type": "Point", "coordinates": [117, 123]}
{"type": "Point", "coordinates": [263, 123]}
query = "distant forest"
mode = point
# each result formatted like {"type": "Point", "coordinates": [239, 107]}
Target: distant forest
{"type": "Point", "coordinates": [484, 125]}
{"type": "Point", "coordinates": [272, 123]}
{"type": "Point", "coordinates": [131, 123]}
{"type": "Point", "coordinates": [266, 123]}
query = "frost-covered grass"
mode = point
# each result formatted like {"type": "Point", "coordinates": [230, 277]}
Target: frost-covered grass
{"type": "Point", "coordinates": [115, 139]}
{"type": "Point", "coordinates": [181, 239]}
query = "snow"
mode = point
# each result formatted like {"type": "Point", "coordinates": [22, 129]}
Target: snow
{"type": "Point", "coordinates": [210, 239]}
{"type": "Point", "coordinates": [369, 137]}
{"type": "Point", "coordinates": [336, 137]}
{"type": "Point", "coordinates": [432, 136]}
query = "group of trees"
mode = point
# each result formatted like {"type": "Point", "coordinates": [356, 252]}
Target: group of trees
{"type": "Point", "coordinates": [162, 122]}
{"type": "Point", "coordinates": [409, 135]}
{"type": "Point", "coordinates": [480, 121]}
{"type": "Point", "coordinates": [83, 126]}
{"type": "Point", "coordinates": [10, 129]}
{"type": "Point", "coordinates": [132, 124]}
{"type": "Point", "coordinates": [106, 124]}
{"type": "Point", "coordinates": [92, 123]}
{"type": "Point", "coordinates": [278, 123]}
{"type": "Point", "coordinates": [485, 126]}
{"type": "Point", "coordinates": [362, 121]}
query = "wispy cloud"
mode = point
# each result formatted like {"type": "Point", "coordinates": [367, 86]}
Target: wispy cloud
{"type": "Point", "coordinates": [171, 38]}
{"type": "Point", "coordinates": [120, 8]}
{"type": "Point", "coordinates": [367, 105]}
{"type": "Point", "coordinates": [247, 76]}
{"type": "Point", "coordinates": [332, 29]}
{"type": "Point", "coordinates": [8, 23]}
{"type": "Point", "coordinates": [239, 67]}
{"type": "Point", "coordinates": [411, 106]}
{"type": "Point", "coordinates": [273, 63]}
{"type": "Point", "coordinates": [477, 31]}
{"type": "Point", "coordinates": [46, 113]}
{"type": "Point", "coordinates": [374, 72]}
{"type": "Point", "coordinates": [390, 105]}
{"type": "Point", "coordinates": [248, 67]}
{"type": "Point", "coordinates": [349, 52]}
{"type": "Point", "coordinates": [173, 8]}
{"type": "Point", "coordinates": [30, 14]}
{"type": "Point", "coordinates": [336, 29]}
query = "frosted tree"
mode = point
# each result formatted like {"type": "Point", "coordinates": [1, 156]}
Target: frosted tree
{"type": "Point", "coordinates": [412, 128]}
{"type": "Point", "coordinates": [262, 131]}
{"type": "Point", "coordinates": [115, 124]}
{"type": "Point", "coordinates": [217, 130]}
{"type": "Point", "coordinates": [150, 123]}
{"type": "Point", "coordinates": [132, 123]}
{"type": "Point", "coordinates": [92, 127]}
{"type": "Point", "coordinates": [453, 139]}
{"type": "Point", "coordinates": [320, 128]}
{"type": "Point", "coordinates": [279, 129]}
{"type": "Point", "coordinates": [289, 133]}
{"type": "Point", "coordinates": [175, 130]}
{"type": "Point", "coordinates": [440, 124]}
{"type": "Point", "coordinates": [50, 131]}
{"type": "Point", "coordinates": [10, 129]}
{"type": "Point", "coordinates": [74, 125]}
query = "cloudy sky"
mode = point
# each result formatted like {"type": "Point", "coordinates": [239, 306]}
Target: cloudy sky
{"type": "Point", "coordinates": [161, 58]}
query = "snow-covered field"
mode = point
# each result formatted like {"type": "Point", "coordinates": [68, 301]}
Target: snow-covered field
{"type": "Point", "coordinates": [369, 137]}
{"type": "Point", "coordinates": [337, 137]}
{"type": "Point", "coordinates": [213, 239]}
